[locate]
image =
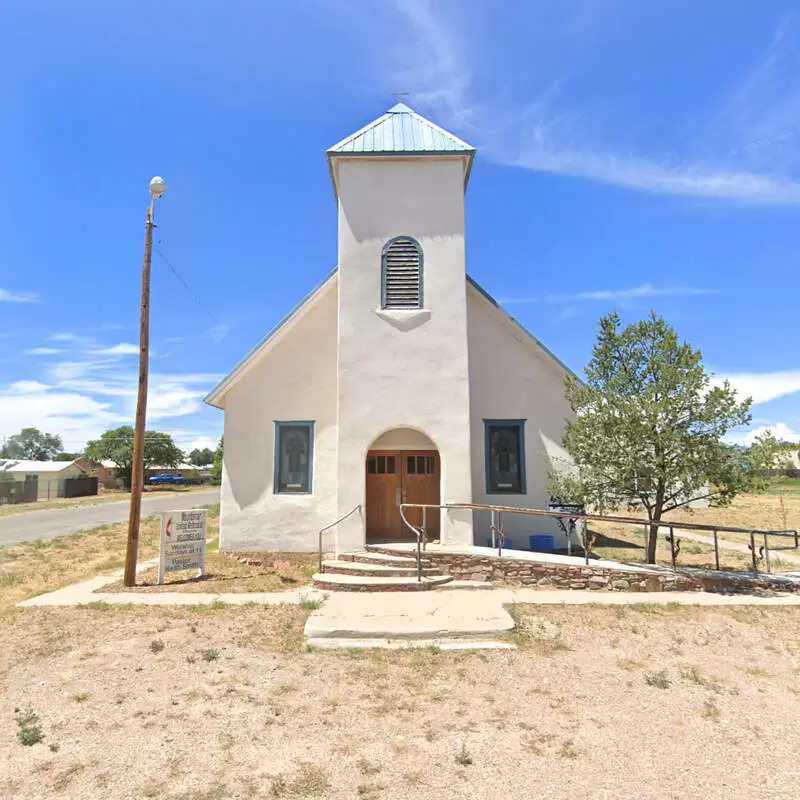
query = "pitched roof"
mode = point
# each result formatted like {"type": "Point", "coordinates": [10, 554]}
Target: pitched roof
{"type": "Point", "coordinates": [215, 396]}
{"type": "Point", "coordinates": [13, 465]}
{"type": "Point", "coordinates": [401, 130]}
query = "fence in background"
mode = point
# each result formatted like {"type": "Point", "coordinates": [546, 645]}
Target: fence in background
{"type": "Point", "coordinates": [32, 491]}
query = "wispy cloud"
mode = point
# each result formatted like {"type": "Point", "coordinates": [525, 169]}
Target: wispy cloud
{"type": "Point", "coordinates": [644, 290]}
{"type": "Point", "coordinates": [43, 351]}
{"type": "Point", "coordinates": [763, 386]}
{"type": "Point", "coordinates": [17, 297]}
{"type": "Point", "coordinates": [123, 349]}
{"type": "Point", "coordinates": [749, 150]}
{"type": "Point", "coordinates": [780, 430]}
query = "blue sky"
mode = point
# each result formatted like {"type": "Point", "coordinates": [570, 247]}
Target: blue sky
{"type": "Point", "coordinates": [631, 155]}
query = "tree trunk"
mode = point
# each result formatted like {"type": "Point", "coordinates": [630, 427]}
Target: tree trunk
{"type": "Point", "coordinates": [655, 518]}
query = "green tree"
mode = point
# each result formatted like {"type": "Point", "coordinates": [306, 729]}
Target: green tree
{"type": "Point", "coordinates": [66, 456]}
{"type": "Point", "coordinates": [201, 457]}
{"type": "Point", "coordinates": [31, 443]}
{"type": "Point", "coordinates": [649, 426]}
{"type": "Point", "coordinates": [216, 471]}
{"type": "Point", "coordinates": [117, 445]}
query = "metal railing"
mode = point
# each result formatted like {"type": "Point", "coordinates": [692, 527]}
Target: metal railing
{"type": "Point", "coordinates": [498, 535]}
{"type": "Point", "coordinates": [421, 532]}
{"type": "Point", "coordinates": [333, 525]}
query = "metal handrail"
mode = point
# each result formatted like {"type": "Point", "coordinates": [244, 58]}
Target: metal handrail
{"type": "Point", "coordinates": [790, 533]}
{"type": "Point", "coordinates": [333, 525]}
{"type": "Point", "coordinates": [420, 533]}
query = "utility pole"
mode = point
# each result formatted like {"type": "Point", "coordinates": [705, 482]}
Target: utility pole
{"type": "Point", "coordinates": [157, 188]}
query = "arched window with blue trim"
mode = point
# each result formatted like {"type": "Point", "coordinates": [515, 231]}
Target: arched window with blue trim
{"type": "Point", "coordinates": [401, 268]}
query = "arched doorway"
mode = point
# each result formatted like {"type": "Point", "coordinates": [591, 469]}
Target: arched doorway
{"type": "Point", "coordinates": [402, 465]}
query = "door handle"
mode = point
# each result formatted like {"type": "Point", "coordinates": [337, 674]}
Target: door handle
{"type": "Point", "coordinates": [398, 496]}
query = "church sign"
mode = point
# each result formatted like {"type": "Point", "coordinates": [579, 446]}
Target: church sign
{"type": "Point", "coordinates": [183, 541]}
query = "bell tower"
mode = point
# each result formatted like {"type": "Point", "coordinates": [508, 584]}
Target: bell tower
{"type": "Point", "coordinates": [402, 338]}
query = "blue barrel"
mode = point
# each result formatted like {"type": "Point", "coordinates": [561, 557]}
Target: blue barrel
{"type": "Point", "coordinates": [541, 543]}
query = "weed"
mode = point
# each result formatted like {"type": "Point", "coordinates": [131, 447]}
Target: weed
{"type": "Point", "coordinates": [658, 679]}
{"type": "Point", "coordinates": [209, 654]}
{"type": "Point", "coordinates": [369, 791]}
{"type": "Point", "coordinates": [30, 731]}
{"type": "Point", "coordinates": [310, 603]}
{"type": "Point", "coordinates": [367, 767]}
{"type": "Point", "coordinates": [285, 688]}
{"type": "Point", "coordinates": [756, 672]}
{"type": "Point", "coordinates": [156, 646]}
{"type": "Point", "coordinates": [568, 749]}
{"type": "Point", "coordinates": [463, 757]}
{"type": "Point", "coordinates": [193, 627]}
{"type": "Point", "coordinates": [79, 697]}
{"type": "Point", "coordinates": [54, 747]}
{"type": "Point", "coordinates": [629, 664]}
{"type": "Point", "coordinates": [309, 781]}
{"type": "Point", "coordinates": [63, 779]}
{"type": "Point", "coordinates": [710, 710]}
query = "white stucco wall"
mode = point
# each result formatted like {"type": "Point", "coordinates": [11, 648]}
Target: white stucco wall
{"type": "Point", "coordinates": [294, 380]}
{"type": "Point", "coordinates": [512, 378]}
{"type": "Point", "coordinates": [405, 368]}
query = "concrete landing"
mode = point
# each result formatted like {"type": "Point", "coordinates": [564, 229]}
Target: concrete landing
{"type": "Point", "coordinates": [423, 619]}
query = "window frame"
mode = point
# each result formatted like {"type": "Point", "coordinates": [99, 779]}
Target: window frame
{"type": "Point", "coordinates": [279, 426]}
{"type": "Point", "coordinates": [421, 292]}
{"type": "Point", "coordinates": [519, 424]}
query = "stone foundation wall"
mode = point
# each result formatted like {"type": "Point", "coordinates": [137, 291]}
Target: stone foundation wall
{"type": "Point", "coordinates": [537, 574]}
{"type": "Point", "coordinates": [558, 576]}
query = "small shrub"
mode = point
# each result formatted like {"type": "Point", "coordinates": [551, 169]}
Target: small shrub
{"type": "Point", "coordinates": [658, 679]}
{"type": "Point", "coordinates": [156, 646]}
{"type": "Point", "coordinates": [54, 747]}
{"type": "Point", "coordinates": [30, 731]}
{"type": "Point", "coordinates": [463, 756]}
{"type": "Point", "coordinates": [210, 654]}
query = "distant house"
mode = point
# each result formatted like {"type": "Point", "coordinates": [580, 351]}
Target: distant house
{"type": "Point", "coordinates": [106, 472]}
{"type": "Point", "coordinates": [49, 475]}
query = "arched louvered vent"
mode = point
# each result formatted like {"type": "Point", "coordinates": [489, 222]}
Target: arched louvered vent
{"type": "Point", "coordinates": [402, 273]}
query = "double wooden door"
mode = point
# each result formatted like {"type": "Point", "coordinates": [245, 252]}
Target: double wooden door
{"type": "Point", "coordinates": [403, 476]}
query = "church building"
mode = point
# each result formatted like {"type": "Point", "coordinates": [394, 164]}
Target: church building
{"type": "Point", "coordinates": [398, 379]}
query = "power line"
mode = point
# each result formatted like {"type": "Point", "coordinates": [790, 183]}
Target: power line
{"type": "Point", "coordinates": [188, 288]}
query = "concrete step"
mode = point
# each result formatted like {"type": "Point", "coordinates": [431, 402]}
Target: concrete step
{"type": "Point", "coordinates": [447, 643]}
{"type": "Point", "coordinates": [334, 582]}
{"type": "Point", "coordinates": [480, 586]}
{"type": "Point", "coordinates": [375, 570]}
{"type": "Point", "coordinates": [389, 560]}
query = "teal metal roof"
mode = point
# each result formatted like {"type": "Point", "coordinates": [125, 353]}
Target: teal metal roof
{"type": "Point", "coordinates": [401, 130]}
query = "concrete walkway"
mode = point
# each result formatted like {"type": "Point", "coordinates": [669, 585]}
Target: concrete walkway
{"type": "Point", "coordinates": [86, 592]}
{"type": "Point", "coordinates": [446, 619]}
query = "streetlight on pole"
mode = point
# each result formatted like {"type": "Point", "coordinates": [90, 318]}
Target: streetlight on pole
{"type": "Point", "coordinates": [157, 188]}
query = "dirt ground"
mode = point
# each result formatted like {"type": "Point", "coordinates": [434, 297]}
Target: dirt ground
{"type": "Point", "coordinates": [211, 703]}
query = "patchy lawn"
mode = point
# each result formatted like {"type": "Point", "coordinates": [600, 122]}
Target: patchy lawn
{"type": "Point", "coordinates": [36, 567]}
{"type": "Point", "coordinates": [221, 702]}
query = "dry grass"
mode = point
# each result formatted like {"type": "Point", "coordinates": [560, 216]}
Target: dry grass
{"type": "Point", "coordinates": [30, 569]}
{"type": "Point", "coordinates": [268, 718]}
{"type": "Point", "coordinates": [266, 572]}
{"type": "Point", "coordinates": [777, 510]}
{"type": "Point", "coordinates": [106, 496]}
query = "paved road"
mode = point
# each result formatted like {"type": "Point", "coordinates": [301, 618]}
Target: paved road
{"type": "Point", "coordinates": [33, 525]}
